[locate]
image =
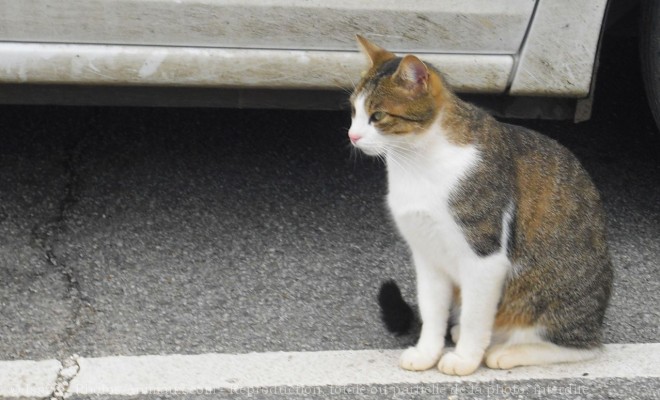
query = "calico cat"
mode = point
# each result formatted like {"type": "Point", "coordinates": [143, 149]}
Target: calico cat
{"type": "Point", "coordinates": [505, 227]}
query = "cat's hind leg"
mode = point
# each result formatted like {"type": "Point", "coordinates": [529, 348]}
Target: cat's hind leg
{"type": "Point", "coordinates": [526, 347]}
{"type": "Point", "coordinates": [510, 356]}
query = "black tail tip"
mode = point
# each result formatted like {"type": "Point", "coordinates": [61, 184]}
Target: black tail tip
{"type": "Point", "coordinates": [396, 314]}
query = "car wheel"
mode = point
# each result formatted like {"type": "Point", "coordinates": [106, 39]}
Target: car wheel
{"type": "Point", "coordinates": [650, 54]}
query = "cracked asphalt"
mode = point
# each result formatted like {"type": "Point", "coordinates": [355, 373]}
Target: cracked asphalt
{"type": "Point", "coordinates": [128, 231]}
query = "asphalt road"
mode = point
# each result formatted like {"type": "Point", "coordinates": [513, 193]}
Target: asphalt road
{"type": "Point", "coordinates": [129, 231]}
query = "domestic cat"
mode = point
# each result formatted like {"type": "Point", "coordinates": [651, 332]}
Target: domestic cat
{"type": "Point", "coordinates": [505, 227]}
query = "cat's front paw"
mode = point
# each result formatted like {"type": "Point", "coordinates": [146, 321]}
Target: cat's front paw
{"type": "Point", "coordinates": [454, 364]}
{"type": "Point", "coordinates": [414, 359]}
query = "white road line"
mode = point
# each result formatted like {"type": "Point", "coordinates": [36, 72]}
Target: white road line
{"type": "Point", "coordinates": [28, 378]}
{"type": "Point", "coordinates": [135, 375]}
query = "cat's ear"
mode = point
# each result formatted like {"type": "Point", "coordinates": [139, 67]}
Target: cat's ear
{"type": "Point", "coordinates": [413, 73]}
{"type": "Point", "coordinates": [376, 54]}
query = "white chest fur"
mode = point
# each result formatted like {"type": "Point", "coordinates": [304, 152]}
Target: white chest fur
{"type": "Point", "coordinates": [419, 191]}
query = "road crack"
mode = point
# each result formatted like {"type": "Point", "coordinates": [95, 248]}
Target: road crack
{"type": "Point", "coordinates": [68, 372]}
{"type": "Point", "coordinates": [47, 235]}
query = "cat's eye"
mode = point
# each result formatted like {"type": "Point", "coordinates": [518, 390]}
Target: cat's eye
{"type": "Point", "coordinates": [377, 116]}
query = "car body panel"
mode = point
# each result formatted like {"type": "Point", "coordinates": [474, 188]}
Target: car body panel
{"type": "Point", "coordinates": [428, 26]}
{"type": "Point", "coordinates": [516, 47]}
{"type": "Point", "coordinates": [223, 68]}
{"type": "Point", "coordinates": [560, 51]}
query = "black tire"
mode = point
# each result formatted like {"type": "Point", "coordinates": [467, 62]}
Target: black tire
{"type": "Point", "coordinates": [650, 54]}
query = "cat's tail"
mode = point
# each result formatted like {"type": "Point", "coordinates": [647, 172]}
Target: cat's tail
{"type": "Point", "coordinates": [397, 315]}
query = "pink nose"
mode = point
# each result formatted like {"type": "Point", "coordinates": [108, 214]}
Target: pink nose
{"type": "Point", "coordinates": [354, 137]}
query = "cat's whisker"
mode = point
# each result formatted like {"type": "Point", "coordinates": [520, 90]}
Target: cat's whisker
{"type": "Point", "coordinates": [353, 82]}
{"type": "Point", "coordinates": [345, 89]}
{"type": "Point", "coordinates": [404, 157]}
{"type": "Point", "coordinates": [402, 163]}
{"type": "Point", "coordinates": [353, 154]}
{"type": "Point", "coordinates": [402, 154]}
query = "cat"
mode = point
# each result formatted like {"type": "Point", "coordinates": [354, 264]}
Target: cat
{"type": "Point", "coordinates": [505, 227]}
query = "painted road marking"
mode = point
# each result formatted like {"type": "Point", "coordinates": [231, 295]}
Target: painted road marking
{"type": "Point", "coordinates": [179, 374]}
{"type": "Point", "coordinates": [28, 378]}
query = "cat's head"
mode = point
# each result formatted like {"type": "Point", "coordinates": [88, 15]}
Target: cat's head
{"type": "Point", "coordinates": [395, 102]}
